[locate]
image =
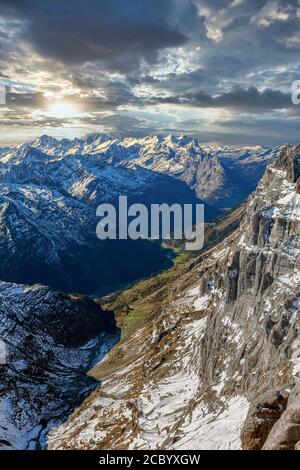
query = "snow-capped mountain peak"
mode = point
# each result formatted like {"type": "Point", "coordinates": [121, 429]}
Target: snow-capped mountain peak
{"type": "Point", "coordinates": [217, 364]}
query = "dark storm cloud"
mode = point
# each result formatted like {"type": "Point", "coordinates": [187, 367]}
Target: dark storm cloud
{"type": "Point", "coordinates": [112, 93]}
{"type": "Point", "coordinates": [119, 33]}
{"type": "Point", "coordinates": [254, 37]}
{"type": "Point", "coordinates": [97, 103]}
{"type": "Point", "coordinates": [238, 98]}
{"type": "Point", "coordinates": [240, 56]}
{"type": "Point", "coordinates": [24, 100]}
{"type": "Point", "coordinates": [252, 98]}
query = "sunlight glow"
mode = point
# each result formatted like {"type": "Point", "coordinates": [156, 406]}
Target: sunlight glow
{"type": "Point", "coordinates": [63, 110]}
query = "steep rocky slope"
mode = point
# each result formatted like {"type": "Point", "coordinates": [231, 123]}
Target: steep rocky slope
{"type": "Point", "coordinates": [243, 167]}
{"type": "Point", "coordinates": [219, 350]}
{"type": "Point", "coordinates": [49, 340]}
{"type": "Point", "coordinates": [249, 161]}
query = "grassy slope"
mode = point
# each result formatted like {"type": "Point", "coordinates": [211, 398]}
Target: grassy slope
{"type": "Point", "coordinates": [135, 305]}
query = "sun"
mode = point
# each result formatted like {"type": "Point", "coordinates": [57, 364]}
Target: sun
{"type": "Point", "coordinates": [62, 109]}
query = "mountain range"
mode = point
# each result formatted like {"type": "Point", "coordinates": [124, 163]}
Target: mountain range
{"type": "Point", "coordinates": [202, 356]}
{"type": "Point", "coordinates": [209, 356]}
{"type": "Point", "coordinates": [50, 190]}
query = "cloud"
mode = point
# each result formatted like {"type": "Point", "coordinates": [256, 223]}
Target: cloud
{"type": "Point", "coordinates": [249, 99]}
{"type": "Point", "coordinates": [293, 41]}
{"type": "Point", "coordinates": [252, 98]}
{"type": "Point", "coordinates": [118, 33]}
{"type": "Point", "coordinates": [243, 130]}
{"type": "Point", "coordinates": [25, 100]}
{"type": "Point", "coordinates": [214, 33]}
{"type": "Point", "coordinates": [141, 66]}
{"type": "Point", "coordinates": [272, 11]}
{"type": "Point", "coordinates": [123, 125]}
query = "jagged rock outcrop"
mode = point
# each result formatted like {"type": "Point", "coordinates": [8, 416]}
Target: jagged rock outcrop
{"type": "Point", "coordinates": [264, 412]}
{"type": "Point", "coordinates": [226, 334]}
{"type": "Point", "coordinates": [285, 434]}
{"type": "Point", "coordinates": [289, 160]}
{"type": "Point", "coordinates": [49, 341]}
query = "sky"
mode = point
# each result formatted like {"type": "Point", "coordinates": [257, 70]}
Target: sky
{"type": "Point", "coordinates": [218, 70]}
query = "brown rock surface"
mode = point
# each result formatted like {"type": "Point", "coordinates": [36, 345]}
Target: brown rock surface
{"type": "Point", "coordinates": [262, 416]}
{"type": "Point", "coordinates": [285, 435]}
{"type": "Point", "coordinates": [286, 432]}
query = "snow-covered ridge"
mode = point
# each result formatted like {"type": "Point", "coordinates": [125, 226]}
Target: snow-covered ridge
{"type": "Point", "coordinates": [50, 189]}
{"type": "Point", "coordinates": [51, 340]}
{"type": "Point", "coordinates": [49, 193]}
{"type": "Point", "coordinates": [222, 176]}
{"type": "Point", "coordinates": [226, 334]}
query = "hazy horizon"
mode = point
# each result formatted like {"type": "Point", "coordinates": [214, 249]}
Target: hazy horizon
{"type": "Point", "coordinates": [115, 135]}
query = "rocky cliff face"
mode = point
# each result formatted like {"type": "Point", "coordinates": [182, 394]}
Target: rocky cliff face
{"type": "Point", "coordinates": [48, 342]}
{"type": "Point", "coordinates": [216, 366]}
